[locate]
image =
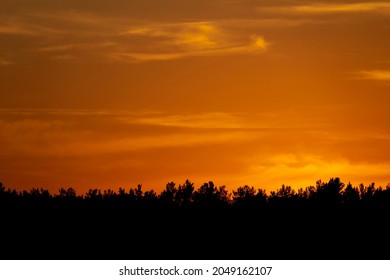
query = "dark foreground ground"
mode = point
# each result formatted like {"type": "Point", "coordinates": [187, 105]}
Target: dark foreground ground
{"type": "Point", "coordinates": [328, 221]}
{"type": "Point", "coordinates": [189, 234]}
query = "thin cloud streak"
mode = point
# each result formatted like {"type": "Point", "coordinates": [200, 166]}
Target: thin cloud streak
{"type": "Point", "coordinates": [62, 133]}
{"type": "Point", "coordinates": [122, 40]}
{"type": "Point", "coordinates": [69, 132]}
{"type": "Point", "coordinates": [205, 120]}
{"type": "Point", "coordinates": [5, 62]}
{"type": "Point", "coordinates": [254, 48]}
{"type": "Point", "coordinates": [189, 39]}
{"type": "Point", "coordinates": [378, 75]}
{"type": "Point", "coordinates": [342, 8]}
{"type": "Point", "coordinates": [26, 26]}
{"type": "Point", "coordinates": [324, 8]}
{"type": "Point", "coordinates": [57, 48]}
{"type": "Point", "coordinates": [16, 30]}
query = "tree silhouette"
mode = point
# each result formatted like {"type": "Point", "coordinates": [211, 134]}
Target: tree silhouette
{"type": "Point", "coordinates": [168, 195]}
{"type": "Point", "coordinates": [208, 195]}
{"type": "Point", "coordinates": [350, 196]}
{"type": "Point", "coordinates": [331, 194]}
{"type": "Point", "coordinates": [246, 196]}
{"type": "Point", "coordinates": [328, 217]}
{"type": "Point", "coordinates": [184, 194]}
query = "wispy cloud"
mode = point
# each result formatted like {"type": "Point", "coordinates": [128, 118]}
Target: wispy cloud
{"type": "Point", "coordinates": [326, 8]}
{"type": "Point", "coordinates": [103, 38]}
{"type": "Point", "coordinates": [83, 20]}
{"type": "Point", "coordinates": [6, 62]}
{"type": "Point", "coordinates": [14, 29]}
{"type": "Point", "coordinates": [28, 132]}
{"type": "Point", "coordinates": [143, 57]}
{"type": "Point", "coordinates": [25, 26]}
{"type": "Point", "coordinates": [379, 75]}
{"type": "Point", "coordinates": [342, 8]}
{"type": "Point", "coordinates": [69, 132]}
{"type": "Point", "coordinates": [204, 120]}
{"type": "Point", "coordinates": [179, 40]}
{"type": "Point", "coordinates": [57, 48]}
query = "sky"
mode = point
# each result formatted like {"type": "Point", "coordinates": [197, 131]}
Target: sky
{"type": "Point", "coordinates": [109, 94]}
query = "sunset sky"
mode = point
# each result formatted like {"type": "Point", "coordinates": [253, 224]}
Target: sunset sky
{"type": "Point", "coordinates": [116, 93]}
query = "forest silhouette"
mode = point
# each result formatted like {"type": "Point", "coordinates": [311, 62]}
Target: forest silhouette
{"type": "Point", "coordinates": [329, 220]}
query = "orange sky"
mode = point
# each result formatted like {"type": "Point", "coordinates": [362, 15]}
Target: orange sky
{"type": "Point", "coordinates": [115, 93]}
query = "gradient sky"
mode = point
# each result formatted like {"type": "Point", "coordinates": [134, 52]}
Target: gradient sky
{"type": "Point", "coordinates": [116, 93]}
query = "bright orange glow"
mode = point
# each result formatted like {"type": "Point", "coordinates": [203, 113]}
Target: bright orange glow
{"type": "Point", "coordinates": [235, 92]}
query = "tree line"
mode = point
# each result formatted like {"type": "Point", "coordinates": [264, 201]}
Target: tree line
{"type": "Point", "coordinates": [331, 194]}
{"type": "Point", "coordinates": [328, 220]}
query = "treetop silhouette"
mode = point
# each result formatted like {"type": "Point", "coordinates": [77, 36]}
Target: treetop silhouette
{"type": "Point", "coordinates": [331, 194]}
